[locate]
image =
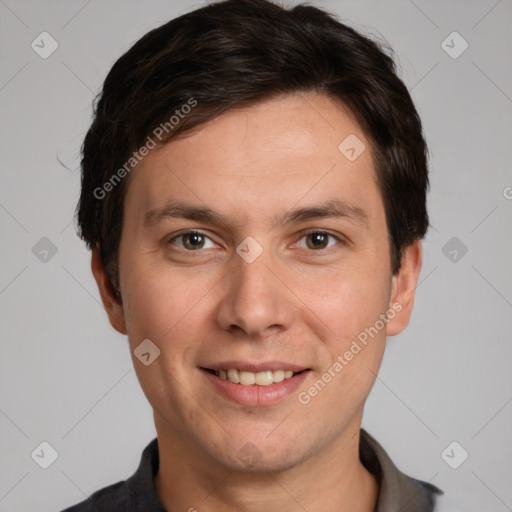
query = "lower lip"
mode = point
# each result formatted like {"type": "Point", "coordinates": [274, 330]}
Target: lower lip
{"type": "Point", "coordinates": [256, 395]}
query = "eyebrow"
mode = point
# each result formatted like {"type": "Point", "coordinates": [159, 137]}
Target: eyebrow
{"type": "Point", "coordinates": [334, 208]}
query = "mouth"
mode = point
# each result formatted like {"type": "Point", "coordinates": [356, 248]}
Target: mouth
{"type": "Point", "coordinates": [255, 385]}
{"type": "Point", "coordinates": [249, 378]}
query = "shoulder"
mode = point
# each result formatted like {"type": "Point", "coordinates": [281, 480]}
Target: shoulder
{"type": "Point", "coordinates": [109, 499]}
{"type": "Point", "coordinates": [398, 491]}
{"type": "Point", "coordinates": [135, 493]}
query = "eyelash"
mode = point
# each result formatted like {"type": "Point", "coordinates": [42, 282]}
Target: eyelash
{"type": "Point", "coordinates": [340, 240]}
{"type": "Point", "coordinates": [184, 234]}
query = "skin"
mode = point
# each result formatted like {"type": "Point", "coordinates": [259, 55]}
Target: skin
{"type": "Point", "coordinates": [295, 303]}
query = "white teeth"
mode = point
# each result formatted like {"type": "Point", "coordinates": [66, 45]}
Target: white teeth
{"type": "Point", "coordinates": [264, 378]}
{"type": "Point", "coordinates": [278, 375]}
{"type": "Point", "coordinates": [244, 378]}
{"type": "Point", "coordinates": [247, 378]}
{"type": "Point", "coordinates": [233, 376]}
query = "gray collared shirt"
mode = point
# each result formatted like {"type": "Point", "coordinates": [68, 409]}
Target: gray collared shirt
{"type": "Point", "coordinates": [398, 492]}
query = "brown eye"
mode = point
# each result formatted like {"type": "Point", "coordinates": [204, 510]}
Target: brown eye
{"type": "Point", "coordinates": [192, 241]}
{"type": "Point", "coordinates": [317, 240]}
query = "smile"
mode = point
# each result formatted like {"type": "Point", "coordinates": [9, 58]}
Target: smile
{"type": "Point", "coordinates": [255, 388]}
{"type": "Point", "coordinates": [265, 378]}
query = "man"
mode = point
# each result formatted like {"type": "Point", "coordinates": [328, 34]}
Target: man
{"type": "Point", "coordinates": [253, 192]}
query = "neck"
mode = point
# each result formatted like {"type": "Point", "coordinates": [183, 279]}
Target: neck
{"type": "Point", "coordinates": [332, 479]}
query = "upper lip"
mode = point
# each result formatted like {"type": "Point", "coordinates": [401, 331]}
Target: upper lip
{"type": "Point", "coordinates": [255, 367]}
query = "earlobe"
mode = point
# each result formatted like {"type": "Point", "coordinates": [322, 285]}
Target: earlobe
{"type": "Point", "coordinates": [113, 308]}
{"type": "Point", "coordinates": [403, 288]}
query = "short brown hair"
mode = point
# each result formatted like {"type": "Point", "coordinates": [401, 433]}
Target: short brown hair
{"type": "Point", "coordinates": [239, 52]}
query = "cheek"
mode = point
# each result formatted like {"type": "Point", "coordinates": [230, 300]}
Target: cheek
{"type": "Point", "coordinates": [348, 308]}
{"type": "Point", "coordinates": [358, 321]}
{"type": "Point", "coordinates": [159, 303]}
{"type": "Point", "coordinates": [347, 303]}
{"type": "Point", "coordinates": [165, 308]}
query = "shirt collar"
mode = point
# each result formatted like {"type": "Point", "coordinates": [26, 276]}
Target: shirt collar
{"type": "Point", "coordinates": [398, 492]}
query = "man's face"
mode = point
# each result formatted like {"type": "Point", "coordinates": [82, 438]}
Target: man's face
{"type": "Point", "coordinates": [323, 276]}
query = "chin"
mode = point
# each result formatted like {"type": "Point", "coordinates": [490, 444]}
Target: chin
{"type": "Point", "coordinates": [258, 455]}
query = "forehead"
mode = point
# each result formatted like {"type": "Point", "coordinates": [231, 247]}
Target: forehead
{"type": "Point", "coordinates": [276, 153]}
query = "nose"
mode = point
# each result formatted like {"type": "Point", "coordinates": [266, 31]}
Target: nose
{"type": "Point", "coordinates": [256, 301]}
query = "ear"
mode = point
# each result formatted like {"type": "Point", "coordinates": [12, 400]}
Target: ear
{"type": "Point", "coordinates": [403, 289]}
{"type": "Point", "coordinates": [113, 308]}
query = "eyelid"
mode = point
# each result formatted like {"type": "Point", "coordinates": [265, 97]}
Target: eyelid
{"type": "Point", "coordinates": [312, 231]}
{"type": "Point", "coordinates": [185, 232]}
{"type": "Point", "coordinates": [341, 241]}
{"type": "Point", "coordinates": [338, 237]}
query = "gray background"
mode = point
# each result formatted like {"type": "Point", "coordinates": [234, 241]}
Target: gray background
{"type": "Point", "coordinates": [66, 376]}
